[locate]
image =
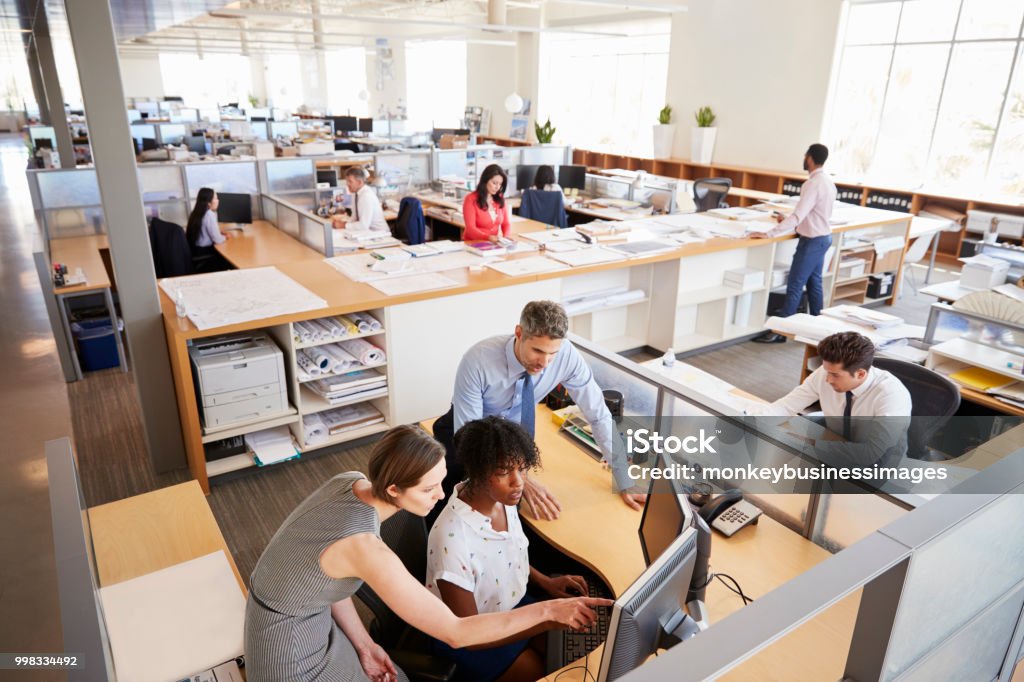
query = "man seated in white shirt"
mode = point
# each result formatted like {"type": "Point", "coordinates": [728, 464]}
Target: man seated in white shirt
{"type": "Point", "coordinates": [477, 558]}
{"type": "Point", "coordinates": [367, 213]}
{"type": "Point", "coordinates": [869, 407]}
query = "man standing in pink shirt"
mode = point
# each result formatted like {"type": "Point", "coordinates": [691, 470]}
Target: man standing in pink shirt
{"type": "Point", "coordinates": [810, 219]}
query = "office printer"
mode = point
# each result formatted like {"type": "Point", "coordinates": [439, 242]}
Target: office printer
{"type": "Point", "coordinates": [238, 378]}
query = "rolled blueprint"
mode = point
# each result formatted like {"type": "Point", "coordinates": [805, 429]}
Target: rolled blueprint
{"type": "Point", "coordinates": [366, 352]}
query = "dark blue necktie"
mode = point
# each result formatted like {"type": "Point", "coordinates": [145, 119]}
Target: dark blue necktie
{"type": "Point", "coordinates": [847, 425]}
{"type": "Point", "coordinates": [528, 405]}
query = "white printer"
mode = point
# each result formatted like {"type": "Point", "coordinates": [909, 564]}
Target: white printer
{"type": "Point", "coordinates": [238, 378]}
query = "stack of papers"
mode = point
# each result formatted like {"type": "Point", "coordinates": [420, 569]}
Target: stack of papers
{"type": "Point", "coordinates": [647, 247]}
{"type": "Point", "coordinates": [271, 446]}
{"type": "Point", "coordinates": [607, 298]}
{"type": "Point", "coordinates": [1011, 393]}
{"type": "Point", "coordinates": [432, 248]}
{"type": "Point", "coordinates": [863, 316]}
{"type": "Point", "coordinates": [978, 378]}
{"type": "Point", "coordinates": [360, 385]}
{"type": "Point", "coordinates": [736, 213]}
{"type": "Point", "coordinates": [550, 236]}
{"type": "Point", "coordinates": [532, 265]}
{"type": "Point", "coordinates": [593, 255]}
{"type": "Point", "coordinates": [351, 417]}
{"type": "Point", "coordinates": [744, 278]}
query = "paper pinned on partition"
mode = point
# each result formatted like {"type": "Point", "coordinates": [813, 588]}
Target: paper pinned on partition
{"type": "Point", "coordinates": [218, 299]}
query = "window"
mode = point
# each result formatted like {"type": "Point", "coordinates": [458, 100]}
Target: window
{"type": "Point", "coordinates": [435, 102]}
{"type": "Point", "coordinates": [283, 74]}
{"type": "Point", "coordinates": [346, 78]}
{"type": "Point", "coordinates": [931, 92]}
{"type": "Point", "coordinates": [604, 92]}
{"type": "Point", "coordinates": [15, 85]}
{"type": "Point", "coordinates": [208, 81]}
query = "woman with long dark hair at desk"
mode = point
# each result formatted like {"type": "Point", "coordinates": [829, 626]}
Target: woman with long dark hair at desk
{"type": "Point", "coordinates": [203, 233]}
{"type": "Point", "coordinates": [484, 211]}
{"type": "Point", "coordinates": [300, 623]}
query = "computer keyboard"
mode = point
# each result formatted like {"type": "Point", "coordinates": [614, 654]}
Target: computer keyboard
{"type": "Point", "coordinates": [566, 646]}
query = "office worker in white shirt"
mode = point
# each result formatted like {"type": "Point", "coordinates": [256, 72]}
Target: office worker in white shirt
{"type": "Point", "coordinates": [508, 375]}
{"type": "Point", "coordinates": [868, 406]}
{"type": "Point", "coordinates": [367, 213]}
{"type": "Point", "coordinates": [810, 219]}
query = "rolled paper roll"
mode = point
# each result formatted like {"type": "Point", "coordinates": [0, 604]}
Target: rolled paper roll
{"type": "Point", "coordinates": [302, 332]}
{"type": "Point", "coordinates": [366, 352]}
{"type": "Point", "coordinates": [363, 326]}
{"type": "Point", "coordinates": [307, 364]}
{"type": "Point", "coordinates": [337, 329]}
{"type": "Point", "coordinates": [353, 328]}
{"type": "Point", "coordinates": [365, 319]}
{"type": "Point", "coordinates": [341, 359]}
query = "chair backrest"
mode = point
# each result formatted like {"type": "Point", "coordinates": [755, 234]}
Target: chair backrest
{"type": "Point", "coordinates": [544, 207]}
{"type": "Point", "coordinates": [406, 535]}
{"type": "Point", "coordinates": [935, 399]}
{"type": "Point", "coordinates": [172, 256]}
{"type": "Point", "coordinates": [709, 193]}
{"type": "Point", "coordinates": [410, 227]}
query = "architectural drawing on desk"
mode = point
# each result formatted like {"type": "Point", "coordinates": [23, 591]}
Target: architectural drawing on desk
{"type": "Point", "coordinates": [219, 299]}
{"type": "Point", "coordinates": [363, 267]}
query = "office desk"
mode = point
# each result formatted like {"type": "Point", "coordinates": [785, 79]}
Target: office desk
{"type": "Point", "coordinates": [599, 531]}
{"type": "Point", "coordinates": [947, 292]}
{"type": "Point", "coordinates": [152, 531]}
{"type": "Point", "coordinates": [261, 244]}
{"type": "Point", "coordinates": [609, 213]}
{"type": "Point", "coordinates": [85, 253]}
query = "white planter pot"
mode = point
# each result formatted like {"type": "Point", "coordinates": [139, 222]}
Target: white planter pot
{"type": "Point", "coordinates": [664, 134]}
{"type": "Point", "coordinates": [702, 144]}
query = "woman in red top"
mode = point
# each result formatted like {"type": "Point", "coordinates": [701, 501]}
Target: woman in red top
{"type": "Point", "coordinates": [484, 211]}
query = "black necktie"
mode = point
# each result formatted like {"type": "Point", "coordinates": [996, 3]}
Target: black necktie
{"type": "Point", "coordinates": [847, 412]}
{"type": "Point", "coordinates": [528, 405]}
{"type": "Point", "coordinates": [355, 202]}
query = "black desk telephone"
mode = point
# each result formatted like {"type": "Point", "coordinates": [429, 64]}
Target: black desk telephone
{"type": "Point", "coordinates": [726, 513]}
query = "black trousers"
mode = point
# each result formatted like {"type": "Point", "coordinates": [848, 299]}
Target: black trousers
{"type": "Point", "coordinates": [444, 433]}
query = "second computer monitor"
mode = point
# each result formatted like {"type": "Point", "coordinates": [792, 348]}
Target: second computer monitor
{"type": "Point", "coordinates": [234, 208]}
{"type": "Point", "coordinates": [663, 519]}
{"type": "Point", "coordinates": [366, 125]}
{"type": "Point", "coordinates": [572, 177]}
{"type": "Point", "coordinates": [525, 176]}
{"type": "Point", "coordinates": [345, 124]}
{"type": "Point", "coordinates": [657, 598]}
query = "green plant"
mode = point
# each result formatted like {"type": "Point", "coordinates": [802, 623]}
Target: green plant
{"type": "Point", "coordinates": [252, 100]}
{"type": "Point", "coordinates": [544, 133]}
{"type": "Point", "coordinates": [705, 117]}
{"type": "Point", "coordinates": [665, 115]}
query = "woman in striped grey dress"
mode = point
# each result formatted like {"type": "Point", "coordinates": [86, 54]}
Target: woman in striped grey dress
{"type": "Point", "coordinates": [300, 624]}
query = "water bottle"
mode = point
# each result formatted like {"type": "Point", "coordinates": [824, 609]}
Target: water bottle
{"type": "Point", "coordinates": [669, 358]}
{"type": "Point", "coordinates": [179, 304]}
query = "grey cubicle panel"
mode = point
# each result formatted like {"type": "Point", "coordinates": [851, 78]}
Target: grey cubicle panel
{"type": "Point", "coordinates": [81, 610]}
{"type": "Point", "coordinates": [290, 174]}
{"type": "Point", "coordinates": [67, 202]}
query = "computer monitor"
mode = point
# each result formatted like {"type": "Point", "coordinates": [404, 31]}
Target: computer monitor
{"type": "Point", "coordinates": [149, 144]}
{"type": "Point", "coordinates": [366, 125]}
{"type": "Point", "coordinates": [330, 176]}
{"type": "Point", "coordinates": [572, 177]}
{"type": "Point", "coordinates": [525, 176]}
{"type": "Point", "coordinates": [196, 143]}
{"type": "Point", "coordinates": [234, 208]}
{"type": "Point", "coordinates": [666, 514]}
{"type": "Point", "coordinates": [651, 613]}
{"type": "Point", "coordinates": [345, 124]}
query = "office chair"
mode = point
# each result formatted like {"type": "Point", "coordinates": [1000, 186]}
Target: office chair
{"type": "Point", "coordinates": [410, 226]}
{"type": "Point", "coordinates": [935, 399]}
{"type": "Point", "coordinates": [709, 193]}
{"type": "Point", "coordinates": [172, 256]}
{"type": "Point", "coordinates": [544, 207]}
{"type": "Point", "coordinates": [406, 535]}
{"type": "Point", "coordinates": [914, 254]}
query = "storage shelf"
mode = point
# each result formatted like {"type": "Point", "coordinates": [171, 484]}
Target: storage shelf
{"type": "Point", "coordinates": [312, 402]}
{"type": "Point", "coordinates": [347, 436]}
{"type": "Point", "coordinates": [314, 344]}
{"type": "Point", "coordinates": [611, 307]}
{"type": "Point", "coordinates": [716, 293]}
{"type": "Point", "coordinates": [617, 344]}
{"type": "Point", "coordinates": [862, 278]}
{"type": "Point", "coordinates": [289, 417]}
{"type": "Point", "coordinates": [305, 378]}
{"type": "Point", "coordinates": [226, 465]}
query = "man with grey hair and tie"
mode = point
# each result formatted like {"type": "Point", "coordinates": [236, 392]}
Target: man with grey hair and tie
{"type": "Point", "coordinates": [367, 214]}
{"type": "Point", "coordinates": [507, 375]}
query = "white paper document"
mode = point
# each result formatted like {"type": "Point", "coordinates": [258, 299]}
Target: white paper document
{"type": "Point", "coordinates": [1012, 290]}
{"type": "Point", "coordinates": [362, 267]}
{"type": "Point", "coordinates": [412, 284]}
{"type": "Point", "coordinates": [548, 236]}
{"type": "Point", "coordinates": [589, 256]}
{"type": "Point", "coordinates": [218, 299]}
{"type": "Point", "coordinates": [527, 266]}
{"type": "Point", "coordinates": [172, 623]}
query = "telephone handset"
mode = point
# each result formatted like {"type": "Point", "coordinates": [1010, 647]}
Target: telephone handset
{"type": "Point", "coordinates": [728, 512]}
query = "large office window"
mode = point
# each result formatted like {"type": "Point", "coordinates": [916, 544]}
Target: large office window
{"type": "Point", "coordinates": [435, 100]}
{"type": "Point", "coordinates": [931, 92]}
{"type": "Point", "coordinates": [207, 81]}
{"type": "Point", "coordinates": [346, 78]}
{"type": "Point", "coordinates": [15, 85]}
{"type": "Point", "coordinates": [284, 81]}
{"type": "Point", "coordinates": [604, 93]}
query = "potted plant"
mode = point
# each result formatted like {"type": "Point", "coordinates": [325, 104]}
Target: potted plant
{"type": "Point", "coordinates": [544, 133]}
{"type": "Point", "coordinates": [664, 133]}
{"type": "Point", "coordinates": [702, 142]}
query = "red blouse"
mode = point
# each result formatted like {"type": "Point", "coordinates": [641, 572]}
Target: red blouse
{"type": "Point", "coordinates": [479, 226]}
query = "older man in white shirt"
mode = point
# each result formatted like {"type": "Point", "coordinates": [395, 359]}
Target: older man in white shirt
{"type": "Point", "coordinates": [367, 213]}
{"type": "Point", "coordinates": [810, 219]}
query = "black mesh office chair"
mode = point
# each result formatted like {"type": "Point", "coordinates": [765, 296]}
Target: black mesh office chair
{"type": "Point", "coordinates": [935, 399]}
{"type": "Point", "coordinates": [410, 649]}
{"type": "Point", "coordinates": [709, 193]}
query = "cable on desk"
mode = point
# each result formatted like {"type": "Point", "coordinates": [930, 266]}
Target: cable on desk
{"type": "Point", "coordinates": [722, 577]}
{"type": "Point", "coordinates": [585, 668]}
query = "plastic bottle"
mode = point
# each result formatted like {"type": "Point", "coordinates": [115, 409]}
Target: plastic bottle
{"type": "Point", "coordinates": [179, 304]}
{"type": "Point", "coordinates": [669, 358]}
